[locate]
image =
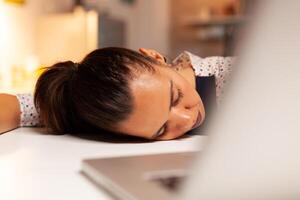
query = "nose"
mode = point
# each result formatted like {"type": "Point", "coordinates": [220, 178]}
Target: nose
{"type": "Point", "coordinates": [183, 116]}
{"type": "Point", "coordinates": [191, 101]}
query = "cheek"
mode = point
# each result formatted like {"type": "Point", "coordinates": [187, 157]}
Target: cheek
{"type": "Point", "coordinates": [172, 134]}
{"type": "Point", "coordinates": [182, 83]}
{"type": "Point", "coordinates": [190, 98]}
{"type": "Point", "coordinates": [179, 123]}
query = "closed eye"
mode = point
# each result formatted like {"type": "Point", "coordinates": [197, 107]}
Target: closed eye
{"type": "Point", "coordinates": [174, 103]}
{"type": "Point", "coordinates": [178, 99]}
{"type": "Point", "coordinates": [162, 131]}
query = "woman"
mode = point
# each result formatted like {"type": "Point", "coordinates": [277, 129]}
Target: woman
{"type": "Point", "coordinates": [121, 91]}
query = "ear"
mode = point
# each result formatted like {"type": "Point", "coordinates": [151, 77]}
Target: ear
{"type": "Point", "coordinates": [152, 53]}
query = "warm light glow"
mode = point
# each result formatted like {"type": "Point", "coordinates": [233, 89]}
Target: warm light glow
{"type": "Point", "coordinates": [26, 43]}
{"type": "Point", "coordinates": [32, 63]}
{"type": "Point", "coordinates": [15, 1]}
{"type": "Point", "coordinates": [92, 30]}
{"type": "Point", "coordinates": [4, 24]}
{"type": "Point", "coordinates": [77, 36]}
{"type": "Point", "coordinates": [17, 60]}
{"type": "Point", "coordinates": [4, 39]}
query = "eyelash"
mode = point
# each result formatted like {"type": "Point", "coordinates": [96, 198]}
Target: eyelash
{"type": "Point", "coordinates": [180, 95]}
{"type": "Point", "coordinates": [164, 131]}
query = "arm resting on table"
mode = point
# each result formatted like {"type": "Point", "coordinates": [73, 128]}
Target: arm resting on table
{"type": "Point", "coordinates": [9, 112]}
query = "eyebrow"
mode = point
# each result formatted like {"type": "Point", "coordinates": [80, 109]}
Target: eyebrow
{"type": "Point", "coordinates": [170, 106]}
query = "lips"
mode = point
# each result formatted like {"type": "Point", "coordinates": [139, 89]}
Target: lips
{"type": "Point", "coordinates": [198, 121]}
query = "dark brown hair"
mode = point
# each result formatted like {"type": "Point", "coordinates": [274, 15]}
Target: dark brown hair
{"type": "Point", "coordinates": [91, 95]}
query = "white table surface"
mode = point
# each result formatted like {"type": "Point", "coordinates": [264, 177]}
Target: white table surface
{"type": "Point", "coordinates": [36, 166]}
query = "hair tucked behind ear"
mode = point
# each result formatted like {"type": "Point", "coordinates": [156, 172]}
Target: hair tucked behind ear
{"type": "Point", "coordinates": [92, 95]}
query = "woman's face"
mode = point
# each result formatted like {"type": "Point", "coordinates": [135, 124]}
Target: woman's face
{"type": "Point", "coordinates": [165, 107]}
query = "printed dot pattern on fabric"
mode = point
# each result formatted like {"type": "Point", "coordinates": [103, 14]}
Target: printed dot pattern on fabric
{"type": "Point", "coordinates": [29, 114]}
{"type": "Point", "coordinates": [217, 66]}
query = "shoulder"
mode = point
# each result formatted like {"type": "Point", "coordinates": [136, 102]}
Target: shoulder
{"type": "Point", "coordinates": [217, 66]}
{"type": "Point", "coordinates": [209, 66]}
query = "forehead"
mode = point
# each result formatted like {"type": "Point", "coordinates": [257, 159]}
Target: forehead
{"type": "Point", "coordinates": [151, 95]}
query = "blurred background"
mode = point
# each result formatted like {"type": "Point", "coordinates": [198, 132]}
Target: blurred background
{"type": "Point", "coordinates": [38, 33]}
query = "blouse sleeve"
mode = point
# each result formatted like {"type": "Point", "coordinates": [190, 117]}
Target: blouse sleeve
{"type": "Point", "coordinates": [217, 66]}
{"type": "Point", "coordinates": [29, 114]}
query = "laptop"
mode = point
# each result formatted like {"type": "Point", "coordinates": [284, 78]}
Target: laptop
{"type": "Point", "coordinates": [253, 146]}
